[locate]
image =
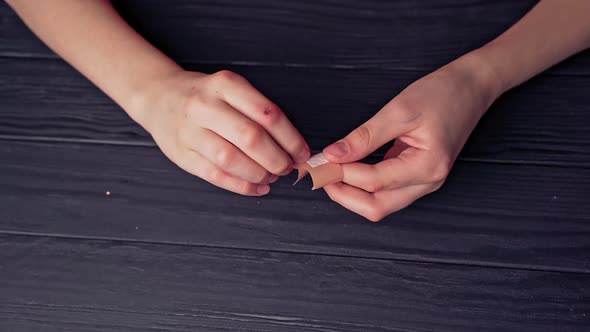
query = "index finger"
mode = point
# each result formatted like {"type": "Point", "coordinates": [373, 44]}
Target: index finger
{"type": "Point", "coordinates": [402, 171]}
{"type": "Point", "coordinates": [244, 97]}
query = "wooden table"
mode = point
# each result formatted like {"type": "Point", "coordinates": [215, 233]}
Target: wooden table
{"type": "Point", "coordinates": [100, 232]}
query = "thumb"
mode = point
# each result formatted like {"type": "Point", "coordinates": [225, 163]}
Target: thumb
{"type": "Point", "coordinates": [377, 131]}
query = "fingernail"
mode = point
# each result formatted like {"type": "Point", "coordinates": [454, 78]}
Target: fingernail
{"type": "Point", "coordinates": [338, 149]}
{"type": "Point", "coordinates": [273, 178]}
{"type": "Point", "coordinates": [263, 189]}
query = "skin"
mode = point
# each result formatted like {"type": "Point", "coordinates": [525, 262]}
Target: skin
{"type": "Point", "coordinates": [217, 127]}
{"type": "Point", "coordinates": [433, 117]}
{"type": "Point", "coordinates": [220, 128]}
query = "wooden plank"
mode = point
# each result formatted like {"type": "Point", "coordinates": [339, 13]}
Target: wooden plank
{"type": "Point", "coordinates": [544, 120]}
{"type": "Point", "coordinates": [487, 214]}
{"type": "Point", "coordinates": [57, 284]}
{"type": "Point", "coordinates": [379, 34]}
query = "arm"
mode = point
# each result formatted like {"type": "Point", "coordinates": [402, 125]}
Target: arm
{"type": "Point", "coordinates": [433, 117]}
{"type": "Point", "coordinates": [234, 137]}
{"type": "Point", "coordinates": [551, 32]}
{"type": "Point", "coordinates": [93, 38]}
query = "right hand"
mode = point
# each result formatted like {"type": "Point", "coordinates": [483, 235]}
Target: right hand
{"type": "Point", "coordinates": [221, 129]}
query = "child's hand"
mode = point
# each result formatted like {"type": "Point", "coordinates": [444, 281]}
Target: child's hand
{"type": "Point", "coordinates": [431, 119]}
{"type": "Point", "coordinates": [221, 129]}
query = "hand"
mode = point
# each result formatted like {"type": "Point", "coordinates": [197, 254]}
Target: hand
{"type": "Point", "coordinates": [221, 129]}
{"type": "Point", "coordinates": [430, 121]}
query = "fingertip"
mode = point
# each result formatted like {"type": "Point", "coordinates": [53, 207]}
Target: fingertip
{"type": "Point", "coordinates": [262, 189]}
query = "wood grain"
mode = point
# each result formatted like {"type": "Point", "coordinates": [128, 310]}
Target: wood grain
{"type": "Point", "coordinates": [503, 246]}
{"type": "Point", "coordinates": [57, 284]}
{"type": "Point", "coordinates": [487, 214]}
{"type": "Point", "coordinates": [545, 120]}
{"type": "Point", "coordinates": [405, 34]}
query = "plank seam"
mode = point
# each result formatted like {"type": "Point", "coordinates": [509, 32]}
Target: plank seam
{"type": "Point", "coordinates": [454, 262]}
{"type": "Point", "coordinates": [152, 144]}
{"type": "Point", "coordinates": [246, 63]}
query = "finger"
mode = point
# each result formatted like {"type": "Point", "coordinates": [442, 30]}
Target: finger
{"type": "Point", "coordinates": [397, 199]}
{"type": "Point", "coordinates": [375, 206]}
{"type": "Point", "coordinates": [387, 124]}
{"type": "Point", "coordinates": [197, 165]}
{"type": "Point", "coordinates": [248, 136]}
{"type": "Point", "coordinates": [226, 156]}
{"type": "Point", "coordinates": [409, 168]}
{"type": "Point", "coordinates": [244, 97]}
{"type": "Point", "coordinates": [354, 199]}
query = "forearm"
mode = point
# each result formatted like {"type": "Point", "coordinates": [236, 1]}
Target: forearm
{"type": "Point", "coordinates": [93, 38]}
{"type": "Point", "coordinates": [552, 31]}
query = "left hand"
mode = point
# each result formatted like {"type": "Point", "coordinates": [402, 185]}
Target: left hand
{"type": "Point", "coordinates": [430, 121]}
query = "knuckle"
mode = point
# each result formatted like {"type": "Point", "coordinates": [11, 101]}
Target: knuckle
{"type": "Point", "coordinates": [251, 135]}
{"type": "Point", "coordinates": [226, 158]}
{"type": "Point", "coordinates": [215, 176]}
{"type": "Point", "coordinates": [436, 186]}
{"type": "Point", "coordinates": [226, 76]}
{"type": "Point", "coordinates": [375, 214]}
{"type": "Point", "coordinates": [374, 182]}
{"type": "Point", "coordinates": [362, 136]}
{"type": "Point", "coordinates": [374, 186]}
{"type": "Point", "coordinates": [409, 111]}
{"type": "Point", "coordinates": [442, 169]}
{"type": "Point", "coordinates": [271, 115]}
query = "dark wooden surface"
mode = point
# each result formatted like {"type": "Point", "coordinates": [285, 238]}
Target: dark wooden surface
{"type": "Point", "coordinates": [138, 286]}
{"type": "Point", "coordinates": [503, 246]}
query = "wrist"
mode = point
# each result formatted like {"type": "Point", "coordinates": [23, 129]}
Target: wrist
{"type": "Point", "coordinates": [147, 94]}
{"type": "Point", "coordinates": [479, 76]}
{"type": "Point", "coordinates": [485, 73]}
